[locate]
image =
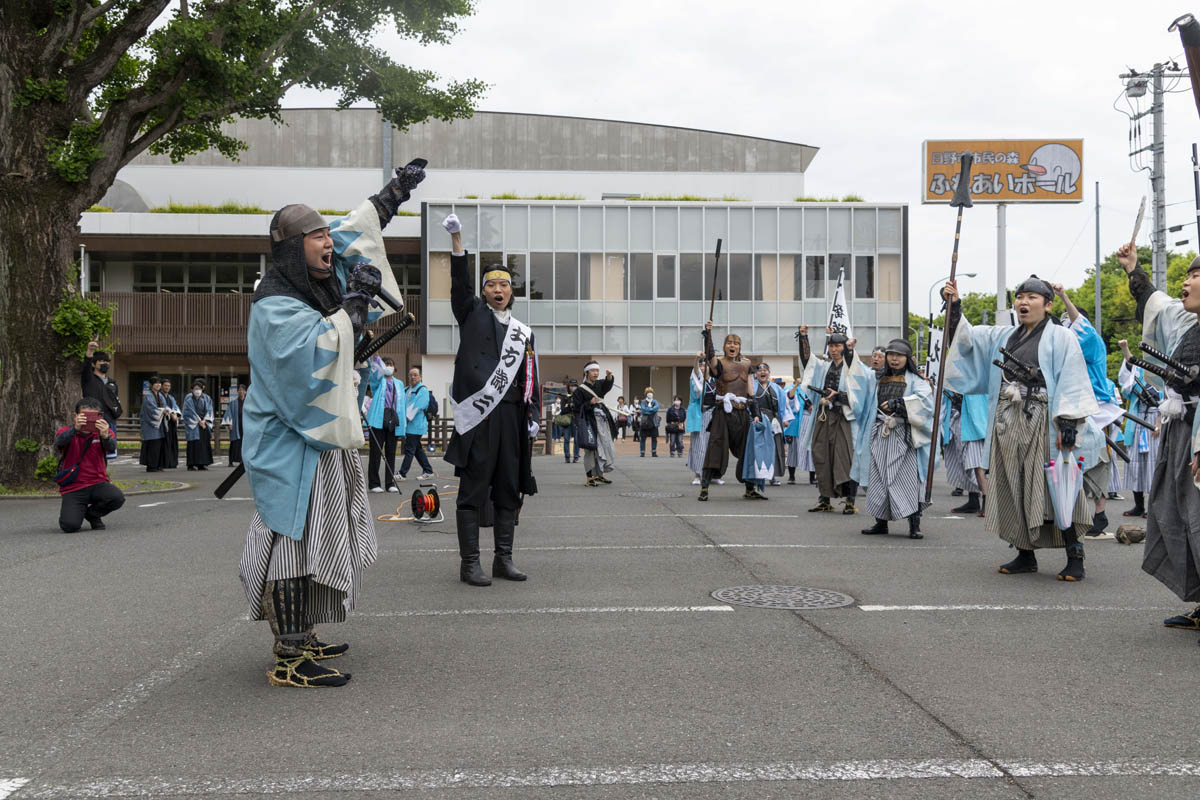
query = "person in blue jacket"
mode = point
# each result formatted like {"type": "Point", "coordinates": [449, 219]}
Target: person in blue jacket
{"type": "Point", "coordinates": [648, 422]}
{"type": "Point", "coordinates": [418, 425]}
{"type": "Point", "coordinates": [386, 420]}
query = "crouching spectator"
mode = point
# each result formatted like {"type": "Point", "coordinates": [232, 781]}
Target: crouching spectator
{"type": "Point", "coordinates": [88, 495]}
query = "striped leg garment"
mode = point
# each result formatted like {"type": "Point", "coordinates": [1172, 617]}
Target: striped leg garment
{"type": "Point", "coordinates": [894, 486]}
{"type": "Point", "coordinates": [338, 544]}
{"type": "Point", "coordinates": [1143, 455]}
{"type": "Point", "coordinates": [803, 458]}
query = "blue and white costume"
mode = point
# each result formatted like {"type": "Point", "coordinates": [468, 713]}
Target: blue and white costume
{"type": "Point", "coordinates": [1140, 443]}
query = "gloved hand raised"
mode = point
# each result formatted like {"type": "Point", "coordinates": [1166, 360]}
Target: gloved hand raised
{"type": "Point", "coordinates": [365, 279]}
{"type": "Point", "coordinates": [452, 225]}
{"type": "Point", "coordinates": [408, 177]}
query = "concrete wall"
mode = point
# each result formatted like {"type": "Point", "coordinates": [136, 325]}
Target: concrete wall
{"type": "Point", "coordinates": [353, 139]}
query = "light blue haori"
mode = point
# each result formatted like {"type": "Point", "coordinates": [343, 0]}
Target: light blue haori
{"type": "Point", "coordinates": [795, 405]}
{"type": "Point", "coordinates": [151, 417]}
{"type": "Point", "coordinates": [195, 410]}
{"type": "Point", "coordinates": [230, 418]}
{"type": "Point", "coordinates": [814, 376]}
{"type": "Point", "coordinates": [973, 418]}
{"type": "Point", "coordinates": [758, 463]}
{"type": "Point", "coordinates": [695, 402]}
{"type": "Point", "coordinates": [969, 370]}
{"type": "Point", "coordinates": [302, 398]}
{"type": "Point", "coordinates": [918, 403]}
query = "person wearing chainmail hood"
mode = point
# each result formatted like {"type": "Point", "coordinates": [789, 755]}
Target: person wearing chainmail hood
{"type": "Point", "coordinates": [1172, 553]}
{"type": "Point", "coordinates": [588, 399]}
{"type": "Point", "coordinates": [1041, 404]}
{"type": "Point", "coordinates": [892, 455]}
{"type": "Point", "coordinates": [734, 409]}
{"type": "Point", "coordinates": [831, 436]}
{"type": "Point", "coordinates": [312, 533]}
{"type": "Point", "coordinates": [497, 405]}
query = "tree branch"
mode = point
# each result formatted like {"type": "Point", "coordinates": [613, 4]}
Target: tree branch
{"type": "Point", "coordinates": [96, 67]}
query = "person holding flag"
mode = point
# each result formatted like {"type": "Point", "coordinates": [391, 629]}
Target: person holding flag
{"type": "Point", "coordinates": [831, 437]}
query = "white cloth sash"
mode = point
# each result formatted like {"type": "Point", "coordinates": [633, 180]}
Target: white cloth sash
{"type": "Point", "coordinates": [729, 398]}
{"type": "Point", "coordinates": [473, 410]}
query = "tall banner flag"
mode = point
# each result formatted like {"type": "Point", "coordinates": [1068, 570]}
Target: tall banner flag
{"type": "Point", "coordinates": [933, 364]}
{"type": "Point", "coordinates": [839, 312]}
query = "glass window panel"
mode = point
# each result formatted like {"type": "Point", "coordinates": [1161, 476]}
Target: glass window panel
{"type": "Point", "coordinates": [666, 277]}
{"type": "Point", "coordinates": [814, 277]}
{"type": "Point", "coordinates": [439, 338]}
{"type": "Point", "coordinates": [490, 223]}
{"type": "Point", "coordinates": [815, 238]}
{"type": "Point", "coordinates": [641, 312]}
{"type": "Point", "coordinates": [439, 276]}
{"type": "Point", "coordinates": [716, 226]}
{"type": "Point", "coordinates": [766, 228]}
{"type": "Point", "coordinates": [438, 238]}
{"type": "Point", "coordinates": [641, 276]}
{"type": "Point", "coordinates": [469, 216]}
{"type": "Point", "coordinates": [171, 274]}
{"type": "Point", "coordinates": [544, 334]}
{"type": "Point", "coordinates": [516, 227]}
{"type": "Point", "coordinates": [890, 233]}
{"type": "Point", "coordinates": [666, 340]}
{"type": "Point", "coordinates": [566, 339]}
{"type": "Point", "coordinates": [864, 277]}
{"type": "Point", "coordinates": [666, 229]}
{"type": "Point", "coordinates": [616, 228]}
{"type": "Point", "coordinates": [741, 313]}
{"type": "Point", "coordinates": [839, 264]}
{"type": "Point", "coordinates": [765, 313]}
{"type": "Point", "coordinates": [791, 229]}
{"type": "Point", "coordinates": [488, 260]}
{"type": "Point", "coordinates": [566, 228]}
{"type": "Point", "coordinates": [616, 339]}
{"type": "Point", "coordinates": [591, 276]}
{"type": "Point", "coordinates": [666, 313]}
{"type": "Point", "coordinates": [839, 229]}
{"type": "Point", "coordinates": [788, 278]}
{"type": "Point", "coordinates": [591, 311]}
{"type": "Point", "coordinates": [641, 228]}
{"type": "Point", "coordinates": [864, 230]}
{"type": "Point", "coordinates": [616, 313]}
{"type": "Point", "coordinates": [566, 276]}
{"type": "Point", "coordinates": [145, 275]}
{"type": "Point", "coordinates": [766, 275]}
{"type": "Point", "coordinates": [516, 265]}
{"type": "Point", "coordinates": [591, 228]}
{"type": "Point", "coordinates": [541, 227]}
{"type": "Point", "coordinates": [541, 278]}
{"type": "Point", "coordinates": [691, 229]}
{"type": "Point", "coordinates": [228, 274]}
{"type": "Point", "coordinates": [766, 340]}
{"type": "Point", "coordinates": [641, 340]}
{"type": "Point", "coordinates": [541, 312]}
{"type": "Point", "coordinates": [614, 276]}
{"type": "Point", "coordinates": [888, 279]}
{"type": "Point", "coordinates": [591, 339]}
{"type": "Point", "coordinates": [691, 276]}
{"type": "Point", "coordinates": [199, 275]}
{"type": "Point", "coordinates": [741, 222]}
{"type": "Point", "coordinates": [740, 279]}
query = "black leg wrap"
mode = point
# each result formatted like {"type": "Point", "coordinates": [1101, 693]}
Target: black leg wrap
{"type": "Point", "coordinates": [504, 532]}
{"type": "Point", "coordinates": [286, 608]}
{"type": "Point", "coordinates": [914, 526]}
{"type": "Point", "coordinates": [468, 548]}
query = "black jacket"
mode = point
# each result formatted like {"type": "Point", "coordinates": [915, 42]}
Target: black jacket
{"type": "Point", "coordinates": [102, 390]}
{"type": "Point", "coordinates": [582, 399]}
{"type": "Point", "coordinates": [479, 351]}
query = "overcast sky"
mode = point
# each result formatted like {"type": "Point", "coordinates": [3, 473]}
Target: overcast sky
{"type": "Point", "coordinates": [866, 82]}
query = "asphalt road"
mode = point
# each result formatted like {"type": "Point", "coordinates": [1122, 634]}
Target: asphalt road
{"type": "Point", "coordinates": [131, 668]}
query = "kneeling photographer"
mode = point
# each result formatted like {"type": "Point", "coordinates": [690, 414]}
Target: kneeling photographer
{"type": "Point", "coordinates": [82, 476]}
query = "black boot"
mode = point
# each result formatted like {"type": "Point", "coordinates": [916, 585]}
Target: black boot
{"type": "Point", "coordinates": [1099, 523]}
{"type": "Point", "coordinates": [504, 531]}
{"type": "Point", "coordinates": [1073, 571]}
{"type": "Point", "coordinates": [791, 475]}
{"type": "Point", "coordinates": [285, 605]}
{"type": "Point", "coordinates": [914, 526]}
{"type": "Point", "coordinates": [880, 527]}
{"type": "Point", "coordinates": [971, 506]}
{"type": "Point", "coordinates": [1024, 562]}
{"type": "Point", "coordinates": [812, 479]}
{"type": "Point", "coordinates": [1139, 505]}
{"type": "Point", "coordinates": [468, 548]}
{"type": "Point", "coordinates": [958, 492]}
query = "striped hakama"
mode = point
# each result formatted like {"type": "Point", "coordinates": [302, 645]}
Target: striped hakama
{"type": "Point", "coordinates": [1019, 508]}
{"type": "Point", "coordinates": [894, 486]}
{"type": "Point", "coordinates": [798, 455]}
{"type": "Point", "coordinates": [1173, 515]}
{"type": "Point", "coordinates": [698, 443]}
{"type": "Point", "coordinates": [962, 458]}
{"type": "Point", "coordinates": [1139, 472]}
{"type": "Point", "coordinates": [338, 544]}
{"type": "Point", "coordinates": [600, 460]}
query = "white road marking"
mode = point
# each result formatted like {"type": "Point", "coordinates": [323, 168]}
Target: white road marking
{"type": "Point", "coordinates": [622, 775]}
{"type": "Point", "coordinates": [731, 546]}
{"type": "Point", "coordinates": [1009, 608]}
{"type": "Point", "coordinates": [472, 612]}
{"type": "Point", "coordinates": [152, 505]}
{"type": "Point", "coordinates": [643, 516]}
{"type": "Point", "coordinates": [10, 785]}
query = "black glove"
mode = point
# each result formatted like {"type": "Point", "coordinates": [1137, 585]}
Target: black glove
{"type": "Point", "coordinates": [361, 287]}
{"type": "Point", "coordinates": [1066, 432]}
{"type": "Point", "coordinates": [840, 398]}
{"type": "Point", "coordinates": [896, 407]}
{"type": "Point", "coordinates": [398, 190]}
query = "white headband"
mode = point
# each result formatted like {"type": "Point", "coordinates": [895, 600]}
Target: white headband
{"type": "Point", "coordinates": [591, 365]}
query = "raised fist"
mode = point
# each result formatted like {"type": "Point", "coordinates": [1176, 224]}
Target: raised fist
{"type": "Point", "coordinates": [408, 176]}
{"type": "Point", "coordinates": [365, 279]}
{"type": "Point", "coordinates": [452, 225]}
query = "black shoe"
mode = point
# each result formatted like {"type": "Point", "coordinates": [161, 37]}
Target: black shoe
{"type": "Point", "coordinates": [752, 493]}
{"type": "Point", "coordinates": [95, 521]}
{"type": "Point", "coordinates": [468, 548]}
{"type": "Point", "coordinates": [914, 527]}
{"type": "Point", "coordinates": [1073, 571]}
{"type": "Point", "coordinates": [823, 504]}
{"type": "Point", "coordinates": [504, 531]}
{"type": "Point", "coordinates": [703, 494]}
{"type": "Point", "coordinates": [878, 529]}
{"type": "Point", "coordinates": [1189, 621]}
{"type": "Point", "coordinates": [576, 459]}
{"type": "Point", "coordinates": [602, 479]}
{"type": "Point", "coordinates": [654, 455]}
{"type": "Point", "coordinates": [305, 672]}
{"type": "Point", "coordinates": [848, 507]}
{"type": "Point", "coordinates": [320, 651]}
{"type": "Point", "coordinates": [1099, 523]}
{"type": "Point", "coordinates": [1024, 562]}
{"type": "Point", "coordinates": [1136, 511]}
{"type": "Point", "coordinates": [970, 507]}
{"type": "Point", "coordinates": [643, 455]}
{"type": "Point", "coordinates": [791, 481]}
{"type": "Point", "coordinates": [957, 493]}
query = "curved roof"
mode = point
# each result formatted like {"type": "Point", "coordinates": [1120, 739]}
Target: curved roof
{"type": "Point", "coordinates": [494, 140]}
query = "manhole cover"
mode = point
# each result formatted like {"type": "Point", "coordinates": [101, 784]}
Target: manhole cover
{"type": "Point", "coordinates": [651, 494]}
{"type": "Point", "coordinates": [782, 597]}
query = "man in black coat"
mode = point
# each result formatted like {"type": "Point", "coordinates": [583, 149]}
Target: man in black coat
{"type": "Point", "coordinates": [98, 386]}
{"type": "Point", "coordinates": [497, 402]}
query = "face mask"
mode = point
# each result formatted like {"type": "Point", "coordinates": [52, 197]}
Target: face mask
{"type": "Point", "coordinates": [388, 371]}
{"type": "Point", "coordinates": [197, 392]}
{"type": "Point", "coordinates": [677, 403]}
{"type": "Point", "coordinates": [649, 397]}
{"type": "Point", "coordinates": [104, 369]}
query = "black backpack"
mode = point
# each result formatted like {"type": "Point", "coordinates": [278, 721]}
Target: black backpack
{"type": "Point", "coordinates": [431, 410]}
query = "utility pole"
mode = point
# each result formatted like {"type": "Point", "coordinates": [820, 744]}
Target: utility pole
{"type": "Point", "coordinates": [1135, 86]}
{"type": "Point", "coordinates": [1097, 320]}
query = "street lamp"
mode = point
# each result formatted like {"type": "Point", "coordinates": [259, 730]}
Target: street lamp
{"type": "Point", "coordinates": [943, 280]}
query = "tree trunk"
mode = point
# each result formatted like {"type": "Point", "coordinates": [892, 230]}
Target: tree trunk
{"type": "Point", "coordinates": [38, 386]}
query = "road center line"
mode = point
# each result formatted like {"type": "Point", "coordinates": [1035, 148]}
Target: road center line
{"type": "Point", "coordinates": [730, 546]}
{"type": "Point", "coordinates": [481, 612]}
{"type": "Point", "coordinates": [1009, 608]}
{"type": "Point", "coordinates": [622, 775]}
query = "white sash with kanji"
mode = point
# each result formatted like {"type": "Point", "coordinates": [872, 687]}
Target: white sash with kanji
{"type": "Point", "coordinates": [473, 410]}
